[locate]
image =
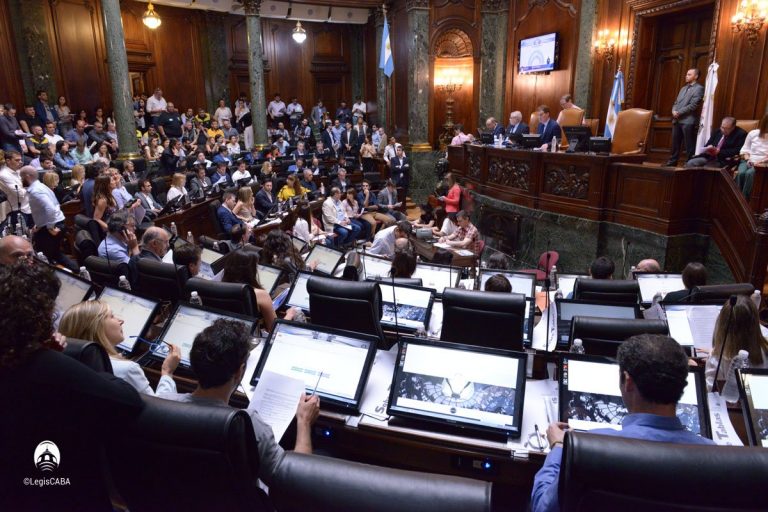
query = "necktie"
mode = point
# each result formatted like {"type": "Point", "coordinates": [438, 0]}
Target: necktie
{"type": "Point", "coordinates": [720, 144]}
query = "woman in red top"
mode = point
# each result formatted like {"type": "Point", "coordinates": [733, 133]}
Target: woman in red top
{"type": "Point", "coordinates": [453, 198]}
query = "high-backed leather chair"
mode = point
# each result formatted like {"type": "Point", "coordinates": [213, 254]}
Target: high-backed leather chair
{"type": "Point", "coordinates": [617, 291]}
{"type": "Point", "coordinates": [84, 222]}
{"type": "Point", "coordinates": [533, 123]}
{"type": "Point", "coordinates": [485, 319]}
{"type": "Point", "coordinates": [601, 472]}
{"type": "Point", "coordinates": [349, 305]}
{"type": "Point", "coordinates": [632, 129]}
{"type": "Point", "coordinates": [718, 293]}
{"type": "Point", "coordinates": [593, 124]}
{"type": "Point", "coordinates": [408, 281]}
{"type": "Point", "coordinates": [208, 242]}
{"type": "Point", "coordinates": [748, 124]}
{"type": "Point", "coordinates": [213, 207]}
{"type": "Point", "coordinates": [570, 117]}
{"type": "Point", "coordinates": [233, 297]}
{"type": "Point", "coordinates": [161, 281]}
{"type": "Point", "coordinates": [105, 272]}
{"type": "Point", "coordinates": [602, 336]}
{"type": "Point", "coordinates": [322, 484]}
{"type": "Point", "coordinates": [202, 458]}
{"type": "Point", "coordinates": [90, 353]}
{"type": "Point", "coordinates": [159, 186]}
{"type": "Point", "coordinates": [85, 246]}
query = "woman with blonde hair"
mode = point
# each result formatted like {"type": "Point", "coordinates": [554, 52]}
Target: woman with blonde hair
{"type": "Point", "coordinates": [177, 187]}
{"type": "Point", "coordinates": [245, 208]}
{"type": "Point", "coordinates": [51, 180]}
{"type": "Point", "coordinates": [94, 321]}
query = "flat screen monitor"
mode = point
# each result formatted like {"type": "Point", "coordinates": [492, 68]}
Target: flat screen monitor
{"type": "Point", "coordinates": [567, 309]}
{"type": "Point", "coordinates": [531, 140]}
{"type": "Point", "coordinates": [469, 387]}
{"type": "Point", "coordinates": [298, 244]}
{"type": "Point", "coordinates": [486, 137]}
{"type": "Point", "coordinates": [136, 312]}
{"type": "Point", "coordinates": [298, 296]}
{"type": "Point", "coordinates": [414, 306]}
{"type": "Point", "coordinates": [753, 391]}
{"type": "Point", "coordinates": [326, 259]}
{"type": "Point", "coordinates": [186, 322]}
{"type": "Point", "coordinates": [590, 398]}
{"type": "Point", "coordinates": [538, 54]}
{"type": "Point", "coordinates": [521, 282]}
{"type": "Point", "coordinates": [692, 325]}
{"type": "Point", "coordinates": [600, 144]}
{"type": "Point", "coordinates": [335, 362]}
{"type": "Point", "coordinates": [566, 282]}
{"type": "Point", "coordinates": [578, 138]}
{"type": "Point", "coordinates": [269, 277]}
{"type": "Point", "coordinates": [438, 277]}
{"type": "Point", "coordinates": [374, 267]}
{"type": "Point", "coordinates": [651, 283]}
{"type": "Point", "coordinates": [74, 289]}
{"type": "Point", "coordinates": [211, 263]}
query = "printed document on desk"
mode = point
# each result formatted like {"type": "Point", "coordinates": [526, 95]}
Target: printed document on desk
{"type": "Point", "coordinates": [376, 394]}
{"type": "Point", "coordinates": [276, 399]}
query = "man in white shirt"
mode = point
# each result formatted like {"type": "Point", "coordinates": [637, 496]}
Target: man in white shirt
{"type": "Point", "coordinates": [276, 110]}
{"type": "Point", "coordinates": [358, 110]}
{"type": "Point", "coordinates": [242, 173]}
{"type": "Point", "coordinates": [384, 241]}
{"type": "Point", "coordinates": [51, 135]}
{"type": "Point", "coordinates": [753, 152]}
{"type": "Point", "coordinates": [294, 111]}
{"type": "Point", "coordinates": [11, 184]}
{"type": "Point", "coordinates": [156, 105]}
{"type": "Point", "coordinates": [390, 151]}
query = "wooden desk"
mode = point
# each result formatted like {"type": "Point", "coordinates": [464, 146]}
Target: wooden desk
{"type": "Point", "coordinates": [195, 218]}
{"type": "Point", "coordinates": [758, 200]}
{"type": "Point", "coordinates": [428, 250]}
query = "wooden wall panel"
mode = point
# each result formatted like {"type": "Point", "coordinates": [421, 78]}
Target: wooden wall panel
{"type": "Point", "coordinates": [10, 76]}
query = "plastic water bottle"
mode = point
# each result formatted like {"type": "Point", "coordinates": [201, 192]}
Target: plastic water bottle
{"type": "Point", "coordinates": [731, 390]}
{"type": "Point", "coordinates": [553, 147]}
{"type": "Point", "coordinates": [42, 257]}
{"type": "Point", "coordinates": [85, 274]}
{"type": "Point", "coordinates": [553, 276]}
{"type": "Point", "coordinates": [757, 298]}
{"type": "Point", "coordinates": [190, 238]}
{"type": "Point", "coordinates": [195, 299]}
{"type": "Point", "coordinates": [558, 294]}
{"type": "Point", "coordinates": [174, 229]}
{"type": "Point", "coordinates": [577, 347]}
{"type": "Point", "coordinates": [216, 246]}
{"type": "Point", "coordinates": [123, 284]}
{"type": "Point", "coordinates": [19, 229]}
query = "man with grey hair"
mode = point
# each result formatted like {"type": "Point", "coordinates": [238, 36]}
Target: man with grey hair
{"type": "Point", "coordinates": [516, 125]}
{"type": "Point", "coordinates": [492, 125]}
{"type": "Point", "coordinates": [154, 243]}
{"type": "Point", "coordinates": [721, 148]}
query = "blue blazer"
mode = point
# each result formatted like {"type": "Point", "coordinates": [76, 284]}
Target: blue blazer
{"type": "Point", "coordinates": [552, 130]}
{"type": "Point", "coordinates": [499, 130]}
{"type": "Point", "coordinates": [227, 219]}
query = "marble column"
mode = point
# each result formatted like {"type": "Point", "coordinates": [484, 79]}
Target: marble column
{"type": "Point", "coordinates": [357, 62]}
{"type": "Point", "coordinates": [381, 78]}
{"type": "Point", "coordinates": [215, 63]}
{"type": "Point", "coordinates": [493, 59]}
{"type": "Point", "coordinates": [32, 48]}
{"type": "Point", "coordinates": [582, 84]}
{"type": "Point", "coordinates": [256, 72]}
{"type": "Point", "coordinates": [117, 63]}
{"type": "Point", "coordinates": [418, 74]}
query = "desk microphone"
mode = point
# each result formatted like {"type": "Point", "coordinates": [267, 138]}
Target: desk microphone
{"type": "Point", "coordinates": [732, 301]}
{"type": "Point", "coordinates": [547, 284]}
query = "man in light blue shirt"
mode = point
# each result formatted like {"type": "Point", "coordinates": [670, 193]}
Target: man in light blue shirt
{"type": "Point", "coordinates": [120, 243]}
{"type": "Point", "coordinates": [48, 217]}
{"type": "Point", "coordinates": [653, 371]}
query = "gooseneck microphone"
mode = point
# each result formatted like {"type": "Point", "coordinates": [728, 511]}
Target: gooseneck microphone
{"type": "Point", "coordinates": [547, 284]}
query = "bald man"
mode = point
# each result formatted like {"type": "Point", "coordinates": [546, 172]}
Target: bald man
{"type": "Point", "coordinates": [648, 265]}
{"type": "Point", "coordinates": [13, 247]}
{"type": "Point", "coordinates": [155, 243]}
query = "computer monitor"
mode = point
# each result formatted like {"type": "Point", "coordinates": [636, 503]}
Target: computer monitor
{"type": "Point", "coordinates": [753, 391]}
{"type": "Point", "coordinates": [74, 289]}
{"type": "Point", "coordinates": [600, 144]}
{"type": "Point", "coordinates": [414, 306]}
{"type": "Point", "coordinates": [269, 277]}
{"type": "Point", "coordinates": [590, 398]}
{"type": "Point", "coordinates": [486, 137]}
{"type": "Point", "coordinates": [438, 277]}
{"type": "Point", "coordinates": [136, 312]}
{"type": "Point", "coordinates": [374, 267]}
{"type": "Point", "coordinates": [578, 138]}
{"type": "Point", "coordinates": [651, 283]}
{"type": "Point", "coordinates": [335, 362]}
{"type": "Point", "coordinates": [211, 263]}
{"type": "Point", "coordinates": [692, 325]}
{"type": "Point", "coordinates": [475, 389]}
{"type": "Point", "coordinates": [186, 322]}
{"type": "Point", "coordinates": [566, 282]}
{"type": "Point", "coordinates": [522, 282]}
{"type": "Point", "coordinates": [568, 308]}
{"type": "Point", "coordinates": [531, 140]}
{"type": "Point", "coordinates": [299, 244]}
{"type": "Point", "coordinates": [298, 296]}
{"type": "Point", "coordinates": [326, 258]}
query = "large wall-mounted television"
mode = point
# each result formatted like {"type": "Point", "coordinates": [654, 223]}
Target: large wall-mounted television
{"type": "Point", "coordinates": [539, 54]}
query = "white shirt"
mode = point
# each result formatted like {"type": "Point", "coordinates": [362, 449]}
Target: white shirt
{"type": "Point", "coordinates": [175, 192]}
{"type": "Point", "coordinates": [384, 243]}
{"type": "Point", "coordinates": [132, 373]}
{"type": "Point", "coordinates": [237, 176]}
{"type": "Point", "coordinates": [9, 181]}
{"type": "Point", "coordinates": [156, 104]}
{"type": "Point", "coordinates": [44, 205]}
{"type": "Point", "coordinates": [221, 114]}
{"type": "Point", "coordinates": [301, 230]}
{"type": "Point", "coordinates": [294, 108]}
{"type": "Point", "coordinates": [53, 139]}
{"type": "Point", "coordinates": [448, 227]}
{"type": "Point", "coordinates": [276, 108]}
{"type": "Point", "coordinates": [234, 149]}
{"type": "Point", "coordinates": [755, 146]}
{"type": "Point", "coordinates": [359, 107]}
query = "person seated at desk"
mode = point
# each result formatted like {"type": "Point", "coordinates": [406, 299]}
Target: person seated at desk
{"type": "Point", "coordinates": [300, 150]}
{"type": "Point", "coordinates": [334, 219]}
{"type": "Point", "coordinates": [120, 244]}
{"type": "Point", "coordinates": [601, 267]}
{"type": "Point", "coordinates": [221, 176]}
{"type": "Point", "coordinates": [493, 126]}
{"type": "Point", "coordinates": [189, 257]}
{"type": "Point", "coordinates": [547, 127]}
{"type": "Point", "coordinates": [245, 208]}
{"type": "Point", "coordinates": [452, 200]}
{"type": "Point", "coordinates": [498, 283]}
{"type": "Point", "coordinates": [201, 161]}
{"type": "Point", "coordinates": [309, 184]}
{"type": "Point", "coordinates": [282, 145]}
{"type": "Point", "coordinates": [516, 125]}
{"type": "Point", "coordinates": [459, 137]}
{"type": "Point", "coordinates": [388, 202]}
{"type": "Point", "coordinates": [341, 178]}
{"type": "Point", "coordinates": [297, 167]}
{"type": "Point", "coordinates": [199, 184]}
{"type": "Point", "coordinates": [265, 199]}
{"type": "Point", "coordinates": [252, 157]}
{"type": "Point", "coordinates": [648, 265]}
{"type": "Point", "coordinates": [566, 102]}
{"type": "Point", "coordinates": [322, 151]}
{"type": "Point", "coordinates": [737, 328]}
{"type": "Point", "coordinates": [292, 188]}
{"type": "Point", "coordinates": [227, 218]}
{"type": "Point", "coordinates": [754, 152]}
{"type": "Point", "coordinates": [242, 173]}
{"type": "Point", "coordinates": [177, 187]}
{"type": "Point", "coordinates": [722, 147]}
{"type": "Point", "coordinates": [653, 372]}
{"type": "Point", "coordinates": [155, 243]}
{"type": "Point", "coordinates": [465, 236]}
{"type": "Point", "coordinates": [222, 156]}
{"type": "Point", "coordinates": [367, 199]}
{"type": "Point", "coordinates": [384, 241]}
{"type": "Point", "coordinates": [448, 228]}
{"type": "Point", "coordinates": [404, 260]}
{"type": "Point", "coordinates": [278, 251]}
{"type": "Point", "coordinates": [694, 274]}
{"type": "Point", "coordinates": [243, 267]}
{"type": "Point", "coordinates": [353, 211]}
{"type": "Point", "coordinates": [315, 167]}
{"type": "Point", "coordinates": [218, 358]}
{"type": "Point", "coordinates": [151, 207]}
{"type": "Point", "coordinates": [93, 320]}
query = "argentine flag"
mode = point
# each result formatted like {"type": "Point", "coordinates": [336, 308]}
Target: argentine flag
{"type": "Point", "coordinates": [385, 61]}
{"type": "Point", "coordinates": [614, 106]}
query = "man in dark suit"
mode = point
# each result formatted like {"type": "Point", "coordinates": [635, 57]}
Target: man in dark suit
{"type": "Point", "coordinates": [147, 200]}
{"type": "Point", "coordinates": [348, 140]}
{"type": "Point", "coordinates": [221, 175]}
{"type": "Point", "coordinates": [685, 116]}
{"type": "Point", "coordinates": [328, 140]}
{"type": "Point", "coordinates": [264, 198]}
{"type": "Point", "coordinates": [492, 125]}
{"type": "Point", "coordinates": [400, 168]}
{"type": "Point", "coordinates": [724, 144]}
{"type": "Point", "coordinates": [199, 183]}
{"type": "Point", "coordinates": [341, 182]}
{"type": "Point", "coordinates": [227, 219]}
{"type": "Point", "coordinates": [516, 125]}
{"type": "Point", "coordinates": [548, 127]}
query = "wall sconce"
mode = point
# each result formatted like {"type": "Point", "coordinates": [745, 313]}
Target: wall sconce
{"type": "Point", "coordinates": [299, 34]}
{"type": "Point", "coordinates": [749, 18]}
{"type": "Point", "coordinates": [150, 17]}
{"type": "Point", "coordinates": [605, 45]}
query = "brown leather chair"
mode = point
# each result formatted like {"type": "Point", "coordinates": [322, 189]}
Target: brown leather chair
{"type": "Point", "coordinates": [569, 117]}
{"type": "Point", "coordinates": [632, 129]}
{"type": "Point", "coordinates": [748, 124]}
{"type": "Point", "coordinates": [593, 124]}
{"type": "Point", "coordinates": [533, 123]}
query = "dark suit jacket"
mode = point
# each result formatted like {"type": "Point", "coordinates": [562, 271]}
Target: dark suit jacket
{"type": "Point", "coordinates": [197, 188]}
{"type": "Point", "coordinates": [349, 138]}
{"type": "Point", "coordinates": [327, 138]}
{"type": "Point", "coordinates": [688, 103]}
{"type": "Point", "coordinates": [344, 187]}
{"type": "Point", "coordinates": [552, 130]}
{"type": "Point", "coordinates": [522, 128]}
{"type": "Point", "coordinates": [731, 146]}
{"type": "Point", "coordinates": [263, 201]}
{"type": "Point", "coordinates": [41, 115]}
{"type": "Point", "coordinates": [227, 219]}
{"type": "Point", "coordinates": [145, 203]}
{"type": "Point", "coordinates": [499, 130]}
{"type": "Point", "coordinates": [399, 166]}
{"type": "Point", "coordinates": [168, 161]}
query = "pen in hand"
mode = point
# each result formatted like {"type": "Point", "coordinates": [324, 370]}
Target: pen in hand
{"type": "Point", "coordinates": [538, 438]}
{"type": "Point", "coordinates": [318, 383]}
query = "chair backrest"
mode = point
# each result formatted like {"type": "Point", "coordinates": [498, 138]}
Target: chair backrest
{"type": "Point", "coordinates": [161, 281]}
{"type": "Point", "coordinates": [408, 281]}
{"type": "Point", "coordinates": [211, 452]}
{"type": "Point", "coordinates": [159, 186]}
{"type": "Point", "coordinates": [600, 472]}
{"type": "Point", "coordinates": [349, 305]}
{"type": "Point", "coordinates": [571, 117]}
{"type": "Point", "coordinates": [485, 319]}
{"type": "Point", "coordinates": [313, 482]}
{"type": "Point", "coordinates": [208, 242]}
{"type": "Point", "coordinates": [132, 188]}
{"type": "Point", "coordinates": [105, 272]}
{"type": "Point", "coordinates": [85, 246]}
{"type": "Point", "coordinates": [233, 297]}
{"type": "Point", "coordinates": [616, 291]}
{"type": "Point", "coordinates": [602, 336]}
{"type": "Point", "coordinates": [632, 129]}
{"type": "Point", "coordinates": [748, 124]}
{"type": "Point", "coordinates": [90, 353]}
{"type": "Point", "coordinates": [554, 257]}
{"type": "Point", "coordinates": [718, 293]}
{"type": "Point", "coordinates": [533, 123]}
{"type": "Point", "coordinates": [84, 222]}
{"type": "Point", "coordinates": [213, 208]}
{"type": "Point", "coordinates": [593, 124]}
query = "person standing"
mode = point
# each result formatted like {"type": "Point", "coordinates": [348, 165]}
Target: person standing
{"type": "Point", "coordinates": [685, 117]}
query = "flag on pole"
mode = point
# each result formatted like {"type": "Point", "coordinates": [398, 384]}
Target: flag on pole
{"type": "Point", "coordinates": [385, 61]}
{"type": "Point", "coordinates": [705, 126]}
{"type": "Point", "coordinates": [614, 105]}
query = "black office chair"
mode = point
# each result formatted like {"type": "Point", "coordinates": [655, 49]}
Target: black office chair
{"type": "Point", "coordinates": [211, 452]}
{"type": "Point", "coordinates": [349, 305]}
{"type": "Point", "coordinates": [159, 186]}
{"type": "Point", "coordinates": [83, 222]}
{"type": "Point", "coordinates": [607, 291]}
{"type": "Point", "coordinates": [602, 336]}
{"type": "Point", "coordinates": [312, 482]}
{"type": "Point", "coordinates": [213, 208]}
{"type": "Point", "coordinates": [132, 188]}
{"type": "Point", "coordinates": [105, 272]}
{"type": "Point", "coordinates": [90, 353]}
{"type": "Point", "coordinates": [600, 472]}
{"type": "Point", "coordinates": [85, 246]}
{"type": "Point", "coordinates": [485, 319]}
{"type": "Point", "coordinates": [161, 281]}
{"type": "Point", "coordinates": [718, 293]}
{"type": "Point", "coordinates": [234, 297]}
{"type": "Point", "coordinates": [209, 242]}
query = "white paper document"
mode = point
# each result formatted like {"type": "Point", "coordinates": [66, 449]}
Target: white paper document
{"type": "Point", "coordinates": [723, 432]}
{"type": "Point", "coordinates": [276, 399]}
{"type": "Point", "coordinates": [376, 393]}
{"type": "Point", "coordinates": [442, 245]}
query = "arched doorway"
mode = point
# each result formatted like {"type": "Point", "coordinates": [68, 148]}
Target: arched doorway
{"type": "Point", "coordinates": [453, 70]}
